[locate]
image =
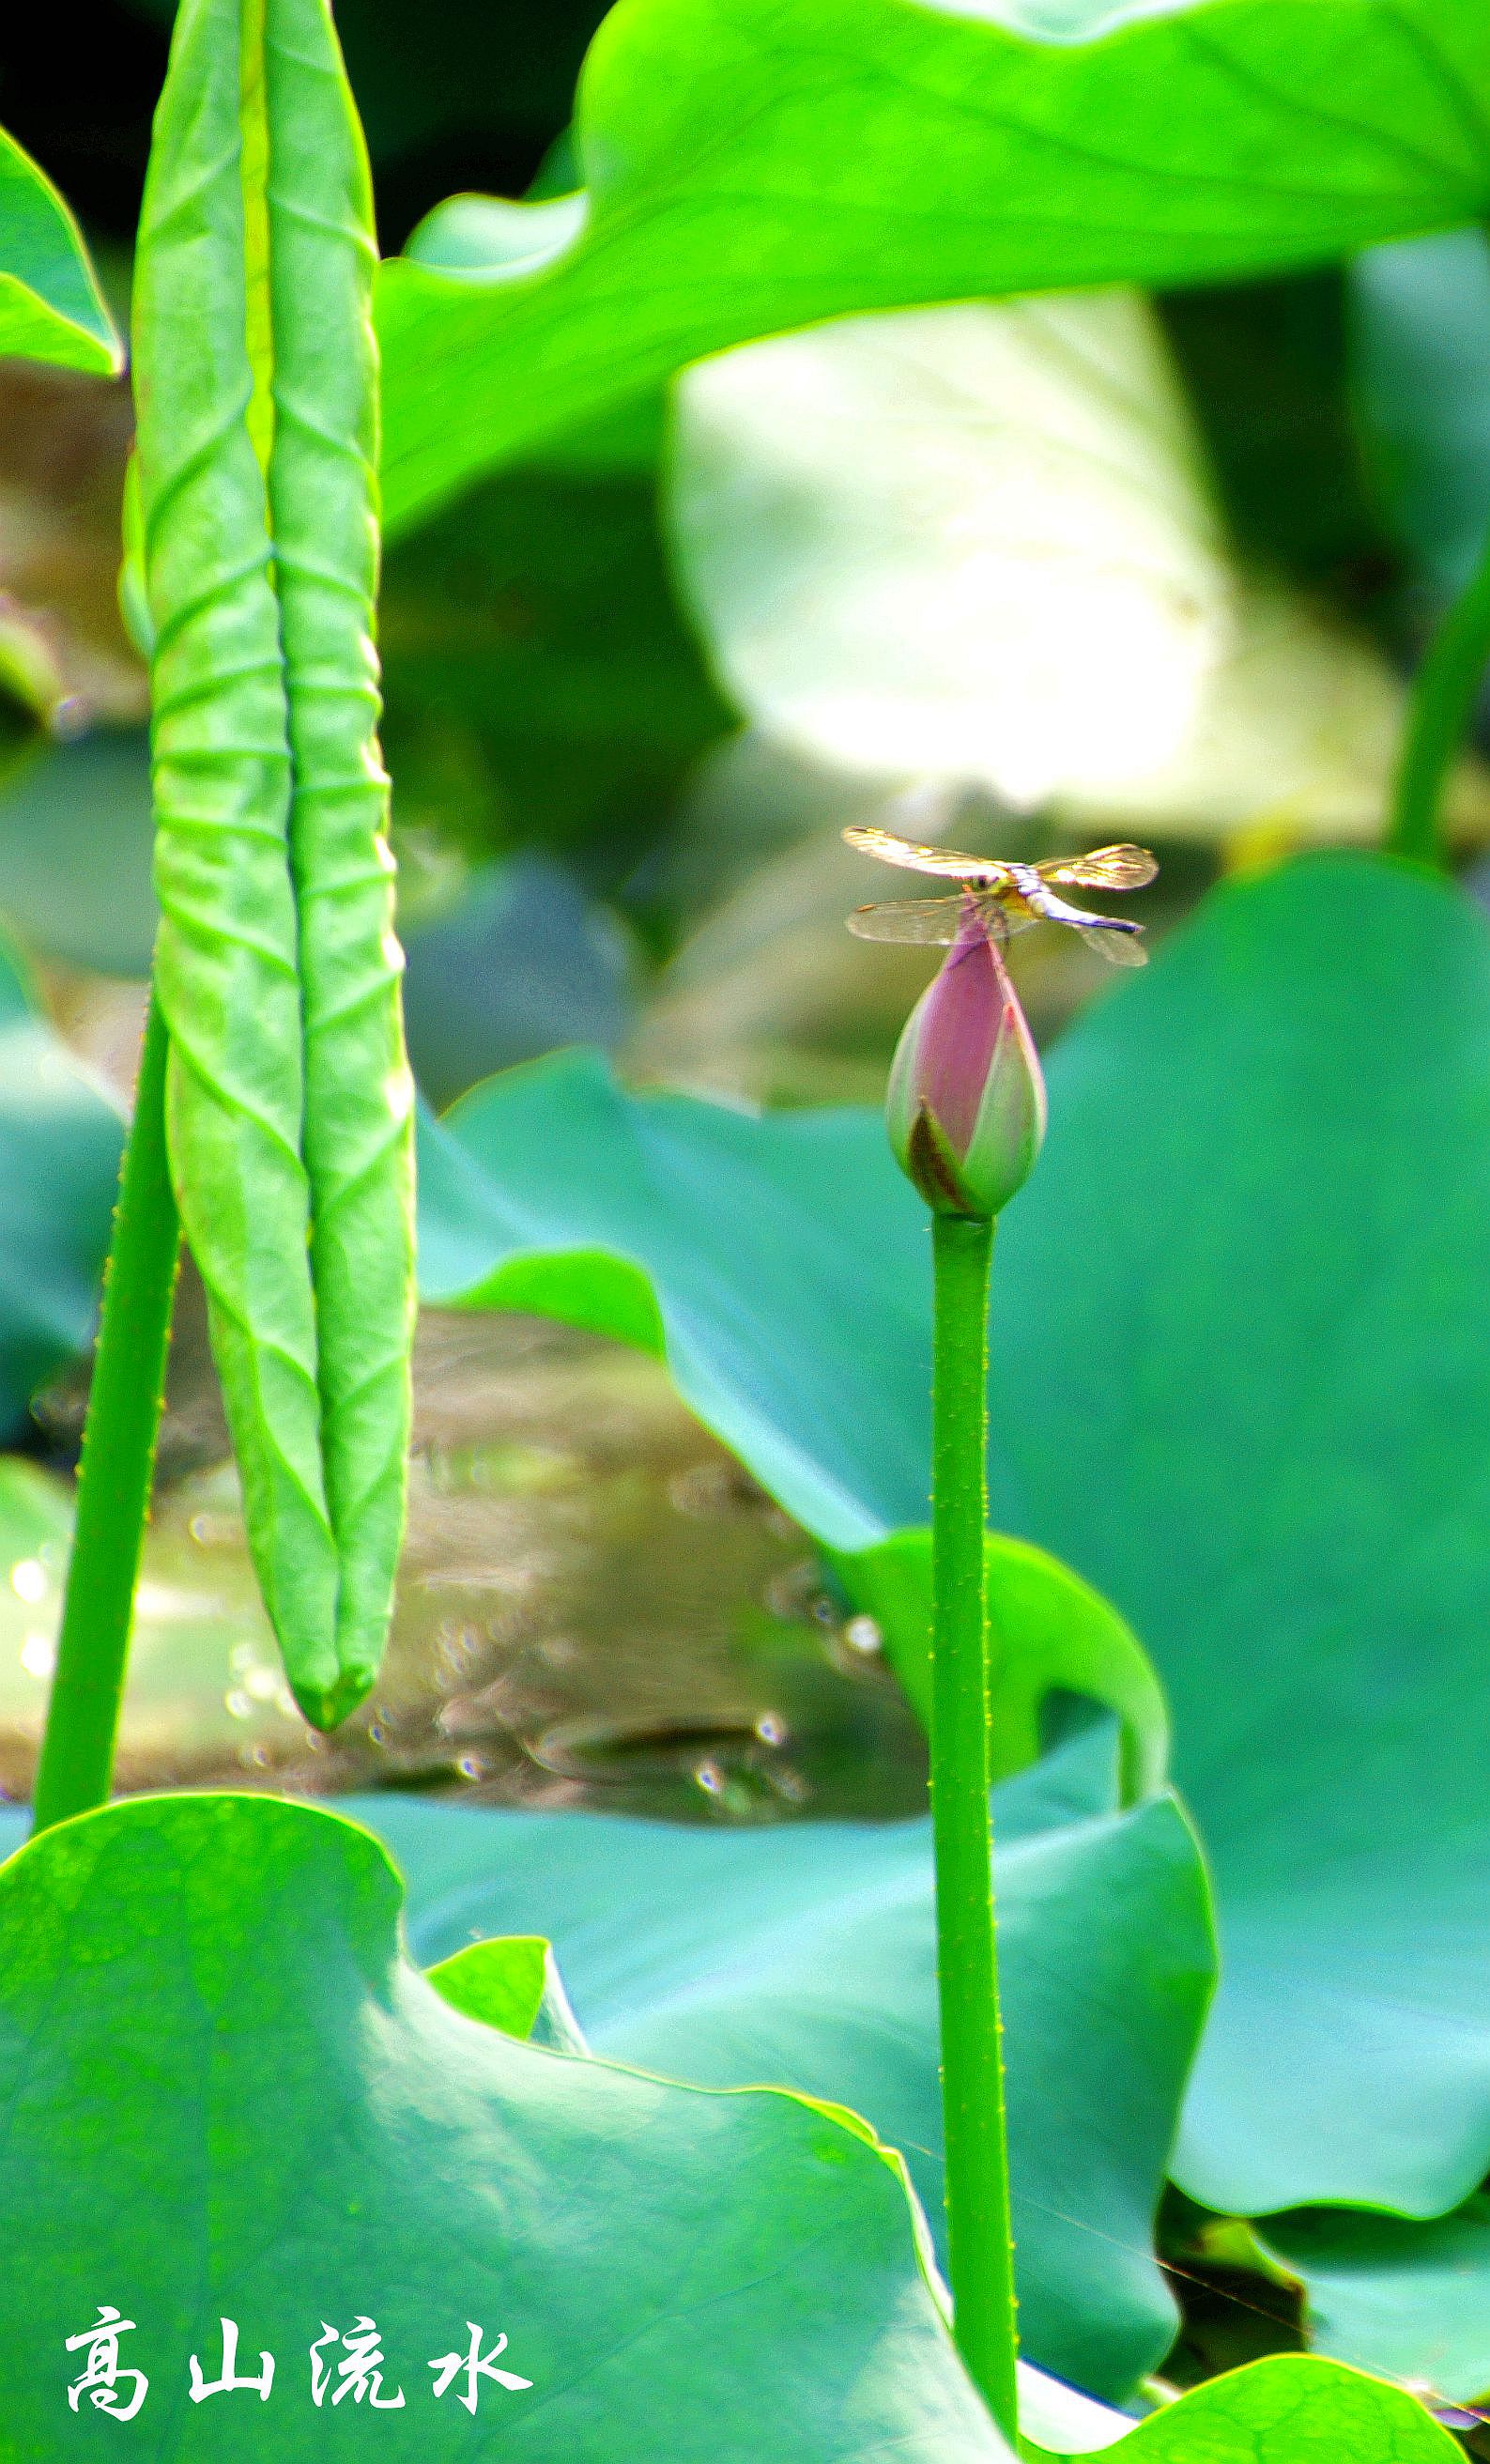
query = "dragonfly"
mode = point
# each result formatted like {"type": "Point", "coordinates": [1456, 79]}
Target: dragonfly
{"type": "Point", "coordinates": [1008, 897]}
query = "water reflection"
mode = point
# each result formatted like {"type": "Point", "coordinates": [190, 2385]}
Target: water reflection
{"type": "Point", "coordinates": [595, 1607]}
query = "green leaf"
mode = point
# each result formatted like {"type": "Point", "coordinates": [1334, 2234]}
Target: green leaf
{"type": "Point", "coordinates": [1050, 1633]}
{"type": "Point", "coordinates": [514, 1984]}
{"type": "Point", "coordinates": [247, 2104]}
{"type": "Point", "coordinates": [975, 543]}
{"type": "Point", "coordinates": [1237, 1339]}
{"type": "Point", "coordinates": [1421, 336]}
{"type": "Point", "coordinates": [865, 154]}
{"type": "Point", "coordinates": [51, 307]}
{"type": "Point", "coordinates": [1292, 2410]}
{"type": "Point", "coordinates": [1250, 1435]}
{"type": "Point", "coordinates": [59, 1150]}
{"type": "Point", "coordinates": [805, 1955]}
{"type": "Point", "coordinates": [358, 1131]}
{"type": "Point", "coordinates": [289, 1100]}
{"type": "Point", "coordinates": [76, 838]}
{"type": "Point", "coordinates": [1413, 2297]}
{"type": "Point", "coordinates": [752, 1253]}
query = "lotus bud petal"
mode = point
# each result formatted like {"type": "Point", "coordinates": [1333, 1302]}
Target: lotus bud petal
{"type": "Point", "coordinates": [966, 1102]}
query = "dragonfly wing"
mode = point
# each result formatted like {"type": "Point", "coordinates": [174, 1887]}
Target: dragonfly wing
{"type": "Point", "coordinates": [931, 922]}
{"type": "Point", "coordinates": [1110, 868]}
{"type": "Point", "coordinates": [1119, 949]}
{"type": "Point", "coordinates": [943, 862]}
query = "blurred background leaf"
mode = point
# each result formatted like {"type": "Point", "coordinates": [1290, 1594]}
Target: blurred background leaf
{"type": "Point", "coordinates": [974, 543]}
{"type": "Point", "coordinates": [541, 686]}
{"type": "Point", "coordinates": [1421, 336]}
{"type": "Point", "coordinates": [982, 544]}
{"type": "Point", "coordinates": [51, 307]}
{"type": "Point", "coordinates": [59, 1146]}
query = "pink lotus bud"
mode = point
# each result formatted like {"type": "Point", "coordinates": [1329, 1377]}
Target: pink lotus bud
{"type": "Point", "coordinates": [966, 1102]}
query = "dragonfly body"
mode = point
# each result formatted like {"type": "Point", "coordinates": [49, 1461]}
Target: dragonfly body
{"type": "Point", "coordinates": [1007, 896]}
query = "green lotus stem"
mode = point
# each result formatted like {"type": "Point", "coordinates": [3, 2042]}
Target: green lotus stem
{"type": "Point", "coordinates": [77, 1765]}
{"type": "Point", "coordinates": [1438, 717]}
{"type": "Point", "coordinates": [980, 2235]}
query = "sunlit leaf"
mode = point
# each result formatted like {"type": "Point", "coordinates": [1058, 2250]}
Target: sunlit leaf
{"type": "Point", "coordinates": [752, 172]}
{"type": "Point", "coordinates": [805, 1954]}
{"type": "Point", "coordinates": [1298, 730]}
{"type": "Point", "coordinates": [1291, 2409]}
{"type": "Point", "coordinates": [269, 2115]}
{"type": "Point", "coordinates": [979, 543]}
{"type": "Point", "coordinates": [975, 542]}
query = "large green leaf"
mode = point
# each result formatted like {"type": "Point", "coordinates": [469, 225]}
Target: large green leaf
{"type": "Point", "coordinates": [754, 168]}
{"type": "Point", "coordinates": [1241, 1356]}
{"type": "Point", "coordinates": [51, 307]}
{"type": "Point", "coordinates": [1240, 1373]}
{"type": "Point", "coordinates": [805, 1955]}
{"type": "Point", "coordinates": [59, 1146]}
{"type": "Point", "coordinates": [227, 2094]}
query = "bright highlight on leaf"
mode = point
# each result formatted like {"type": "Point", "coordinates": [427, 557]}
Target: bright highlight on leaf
{"type": "Point", "coordinates": [289, 1100]}
{"type": "Point", "coordinates": [1291, 2409]}
{"type": "Point", "coordinates": [974, 543]}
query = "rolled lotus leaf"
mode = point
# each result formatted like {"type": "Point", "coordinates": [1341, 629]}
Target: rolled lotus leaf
{"type": "Point", "coordinates": [289, 1105]}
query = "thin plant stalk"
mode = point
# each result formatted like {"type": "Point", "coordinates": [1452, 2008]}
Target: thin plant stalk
{"type": "Point", "coordinates": [980, 2235]}
{"type": "Point", "coordinates": [1441, 708]}
{"type": "Point", "coordinates": [77, 1765]}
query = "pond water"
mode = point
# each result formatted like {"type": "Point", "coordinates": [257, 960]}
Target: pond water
{"type": "Point", "coordinates": [595, 1607]}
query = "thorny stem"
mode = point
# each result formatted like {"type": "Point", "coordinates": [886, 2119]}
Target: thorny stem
{"type": "Point", "coordinates": [77, 1765]}
{"type": "Point", "coordinates": [980, 2235]}
{"type": "Point", "coordinates": [1438, 717]}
